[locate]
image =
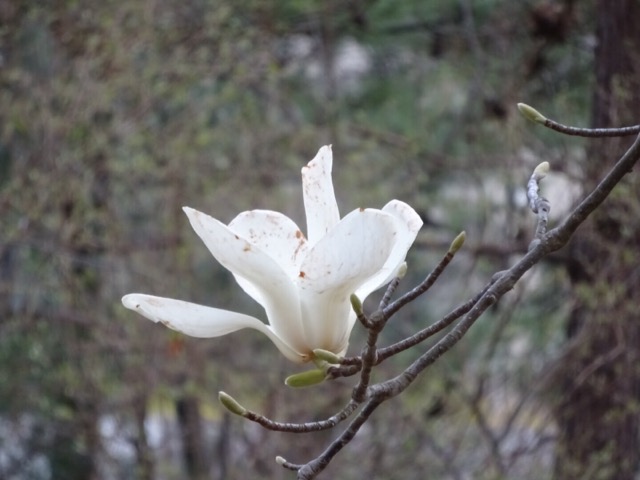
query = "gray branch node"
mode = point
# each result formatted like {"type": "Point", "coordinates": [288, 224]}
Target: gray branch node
{"type": "Point", "coordinates": [537, 203]}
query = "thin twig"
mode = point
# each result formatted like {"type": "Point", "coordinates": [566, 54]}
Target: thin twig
{"type": "Point", "coordinates": [421, 288]}
{"type": "Point", "coordinates": [415, 339]}
{"type": "Point", "coordinates": [369, 356]}
{"type": "Point", "coordinates": [354, 364]}
{"type": "Point", "coordinates": [303, 427]}
{"type": "Point", "coordinates": [386, 298]}
{"type": "Point", "coordinates": [317, 465]}
{"type": "Point", "coordinates": [535, 116]}
{"type": "Point", "coordinates": [334, 372]}
{"type": "Point", "coordinates": [592, 132]}
{"type": "Point", "coordinates": [347, 361]}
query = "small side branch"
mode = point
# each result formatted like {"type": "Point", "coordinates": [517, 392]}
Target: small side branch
{"type": "Point", "coordinates": [390, 290]}
{"type": "Point", "coordinates": [303, 427]}
{"type": "Point", "coordinates": [317, 465]}
{"type": "Point", "coordinates": [429, 331]}
{"type": "Point", "coordinates": [234, 407]}
{"type": "Point", "coordinates": [369, 358]}
{"type": "Point", "coordinates": [428, 282]}
{"type": "Point", "coordinates": [535, 116]}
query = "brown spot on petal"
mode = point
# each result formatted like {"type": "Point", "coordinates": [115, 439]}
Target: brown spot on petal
{"type": "Point", "coordinates": [299, 234]}
{"type": "Point", "coordinates": [302, 274]}
{"type": "Point", "coordinates": [361, 209]}
{"type": "Point", "coordinates": [246, 248]}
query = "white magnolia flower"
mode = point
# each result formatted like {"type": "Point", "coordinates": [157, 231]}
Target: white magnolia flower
{"type": "Point", "coordinates": [303, 283]}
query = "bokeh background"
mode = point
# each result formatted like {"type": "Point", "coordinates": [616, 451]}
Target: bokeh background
{"type": "Point", "coordinates": [113, 115]}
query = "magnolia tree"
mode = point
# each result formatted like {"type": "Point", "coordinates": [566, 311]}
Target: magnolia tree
{"type": "Point", "coordinates": [312, 287]}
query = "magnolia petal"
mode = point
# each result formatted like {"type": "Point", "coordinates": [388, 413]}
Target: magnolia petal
{"type": "Point", "coordinates": [256, 272]}
{"type": "Point", "coordinates": [275, 234]}
{"type": "Point", "coordinates": [408, 224]}
{"type": "Point", "coordinates": [319, 199]}
{"type": "Point", "coordinates": [348, 256]}
{"type": "Point", "coordinates": [327, 321]}
{"type": "Point", "coordinates": [350, 253]}
{"type": "Point", "coordinates": [200, 321]}
{"type": "Point", "coordinates": [406, 213]}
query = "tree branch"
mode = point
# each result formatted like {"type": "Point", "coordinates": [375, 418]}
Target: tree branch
{"type": "Point", "coordinates": [371, 396]}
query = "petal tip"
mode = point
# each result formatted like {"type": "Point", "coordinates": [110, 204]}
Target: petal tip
{"type": "Point", "coordinates": [130, 302]}
{"type": "Point", "coordinates": [189, 211]}
{"type": "Point", "coordinates": [324, 156]}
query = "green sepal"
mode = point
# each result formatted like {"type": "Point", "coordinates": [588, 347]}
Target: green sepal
{"type": "Point", "coordinates": [327, 356]}
{"type": "Point", "coordinates": [305, 379]}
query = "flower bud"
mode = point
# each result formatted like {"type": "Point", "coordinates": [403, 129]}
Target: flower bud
{"type": "Point", "coordinates": [402, 270]}
{"type": "Point", "coordinates": [231, 404]}
{"type": "Point", "coordinates": [305, 379]}
{"type": "Point", "coordinates": [541, 170]}
{"type": "Point", "coordinates": [356, 304]}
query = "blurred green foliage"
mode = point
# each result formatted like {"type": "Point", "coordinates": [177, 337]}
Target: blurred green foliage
{"type": "Point", "coordinates": [115, 114]}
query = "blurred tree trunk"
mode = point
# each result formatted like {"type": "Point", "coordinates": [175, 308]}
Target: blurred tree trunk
{"type": "Point", "coordinates": [222, 446]}
{"type": "Point", "coordinates": [193, 448]}
{"type": "Point", "coordinates": [598, 413]}
{"type": "Point", "coordinates": [144, 452]}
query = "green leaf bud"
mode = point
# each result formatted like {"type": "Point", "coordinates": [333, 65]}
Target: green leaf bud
{"type": "Point", "coordinates": [531, 113]}
{"type": "Point", "coordinates": [458, 242]}
{"type": "Point", "coordinates": [356, 304]}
